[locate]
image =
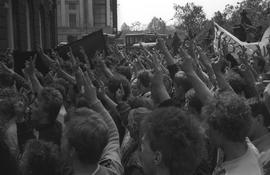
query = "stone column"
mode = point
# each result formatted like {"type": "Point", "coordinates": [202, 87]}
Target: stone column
{"type": "Point", "coordinates": [90, 13]}
{"type": "Point", "coordinates": [63, 13]}
{"type": "Point", "coordinates": [108, 12]}
{"type": "Point", "coordinates": [81, 17]}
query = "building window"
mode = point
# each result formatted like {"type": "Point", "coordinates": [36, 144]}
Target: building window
{"type": "Point", "coordinates": [72, 20]}
{"type": "Point", "coordinates": [100, 14]}
{"type": "Point", "coordinates": [72, 5]}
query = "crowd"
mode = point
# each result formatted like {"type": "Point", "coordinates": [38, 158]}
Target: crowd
{"type": "Point", "coordinates": [147, 111]}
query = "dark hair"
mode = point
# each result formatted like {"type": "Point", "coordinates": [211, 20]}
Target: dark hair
{"type": "Point", "coordinates": [40, 158]}
{"type": "Point", "coordinates": [115, 83]}
{"type": "Point", "coordinates": [229, 115]}
{"type": "Point", "coordinates": [259, 108]}
{"type": "Point", "coordinates": [193, 101]}
{"type": "Point", "coordinates": [88, 134]}
{"type": "Point", "coordinates": [144, 78]}
{"type": "Point", "coordinates": [176, 135]}
{"type": "Point", "coordinates": [7, 109]}
{"type": "Point", "coordinates": [6, 80]}
{"type": "Point", "coordinates": [8, 164]}
{"type": "Point", "coordinates": [236, 81]}
{"type": "Point", "coordinates": [181, 79]}
{"type": "Point", "coordinates": [125, 71]}
{"type": "Point", "coordinates": [53, 101]}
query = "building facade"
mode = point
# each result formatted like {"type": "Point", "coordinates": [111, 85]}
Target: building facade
{"type": "Point", "coordinates": [77, 18]}
{"type": "Point", "coordinates": [25, 24]}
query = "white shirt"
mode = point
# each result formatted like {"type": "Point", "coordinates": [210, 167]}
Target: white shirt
{"type": "Point", "coordinates": [248, 164]}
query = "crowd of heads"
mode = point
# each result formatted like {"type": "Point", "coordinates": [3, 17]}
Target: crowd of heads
{"type": "Point", "coordinates": [148, 111]}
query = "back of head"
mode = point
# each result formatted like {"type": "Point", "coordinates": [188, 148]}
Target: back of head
{"type": "Point", "coordinates": [40, 158]}
{"type": "Point", "coordinates": [7, 110]}
{"type": "Point", "coordinates": [6, 80]}
{"type": "Point", "coordinates": [52, 102]}
{"type": "Point", "coordinates": [259, 108]}
{"type": "Point", "coordinates": [8, 164]}
{"type": "Point", "coordinates": [176, 135]}
{"type": "Point", "coordinates": [87, 133]}
{"type": "Point", "coordinates": [182, 80]}
{"type": "Point", "coordinates": [144, 78]}
{"type": "Point", "coordinates": [115, 83]}
{"type": "Point", "coordinates": [134, 120]}
{"type": "Point", "coordinates": [230, 116]}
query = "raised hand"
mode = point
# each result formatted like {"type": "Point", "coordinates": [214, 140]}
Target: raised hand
{"type": "Point", "coordinates": [30, 66]}
{"type": "Point", "coordinates": [187, 64]}
{"type": "Point", "coordinates": [89, 89]}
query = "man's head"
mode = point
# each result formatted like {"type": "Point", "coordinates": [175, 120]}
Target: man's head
{"type": "Point", "coordinates": [114, 85]}
{"type": "Point", "coordinates": [181, 84]}
{"type": "Point", "coordinates": [40, 157]}
{"type": "Point", "coordinates": [47, 105]}
{"type": "Point", "coordinates": [171, 141]}
{"type": "Point", "coordinates": [229, 119]}
{"type": "Point", "coordinates": [260, 119]}
{"type": "Point", "coordinates": [143, 81]}
{"type": "Point", "coordinates": [85, 136]}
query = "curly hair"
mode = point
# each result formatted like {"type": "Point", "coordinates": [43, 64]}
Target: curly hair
{"type": "Point", "coordinates": [41, 158]}
{"type": "Point", "coordinates": [230, 115]}
{"type": "Point", "coordinates": [177, 136]}
{"type": "Point", "coordinates": [259, 108]}
{"type": "Point", "coordinates": [53, 101]}
{"type": "Point", "coordinates": [115, 83]}
{"type": "Point", "coordinates": [87, 133]}
{"type": "Point", "coordinates": [144, 78]}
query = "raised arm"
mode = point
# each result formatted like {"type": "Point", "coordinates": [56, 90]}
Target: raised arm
{"type": "Point", "coordinates": [201, 89]}
{"type": "Point", "coordinates": [30, 71]}
{"type": "Point", "coordinates": [112, 150]}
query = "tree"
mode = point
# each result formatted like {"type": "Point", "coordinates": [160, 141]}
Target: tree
{"type": "Point", "coordinates": [190, 17]}
{"type": "Point", "coordinates": [256, 9]}
{"type": "Point", "coordinates": [157, 26]}
{"type": "Point", "coordinates": [136, 26]}
{"type": "Point", "coordinates": [125, 27]}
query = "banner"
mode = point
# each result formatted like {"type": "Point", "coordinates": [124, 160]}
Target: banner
{"type": "Point", "coordinates": [91, 43]}
{"type": "Point", "coordinates": [235, 45]}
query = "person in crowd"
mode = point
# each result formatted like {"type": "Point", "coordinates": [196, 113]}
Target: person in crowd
{"type": "Point", "coordinates": [42, 124]}
{"type": "Point", "coordinates": [229, 120]}
{"type": "Point", "coordinates": [171, 142]}
{"type": "Point", "coordinates": [40, 157]}
{"type": "Point", "coordinates": [179, 109]}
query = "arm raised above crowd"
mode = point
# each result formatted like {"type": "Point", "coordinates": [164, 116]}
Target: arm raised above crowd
{"type": "Point", "coordinates": [158, 90]}
{"type": "Point", "coordinates": [112, 150]}
{"type": "Point", "coordinates": [30, 71]}
{"type": "Point", "coordinates": [201, 89]}
{"type": "Point", "coordinates": [222, 83]}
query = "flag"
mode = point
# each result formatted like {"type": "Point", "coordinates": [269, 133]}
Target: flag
{"type": "Point", "coordinates": [235, 45]}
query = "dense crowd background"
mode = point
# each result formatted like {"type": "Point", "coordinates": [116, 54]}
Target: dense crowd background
{"type": "Point", "coordinates": [170, 109]}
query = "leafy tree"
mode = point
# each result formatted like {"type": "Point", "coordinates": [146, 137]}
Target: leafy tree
{"type": "Point", "coordinates": [256, 9]}
{"type": "Point", "coordinates": [157, 26]}
{"type": "Point", "coordinates": [136, 26]}
{"type": "Point", "coordinates": [125, 27]}
{"type": "Point", "coordinates": [190, 18]}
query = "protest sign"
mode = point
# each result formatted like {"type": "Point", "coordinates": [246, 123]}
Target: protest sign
{"type": "Point", "coordinates": [235, 45]}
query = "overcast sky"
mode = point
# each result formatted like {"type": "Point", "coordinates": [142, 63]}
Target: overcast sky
{"type": "Point", "coordinates": [130, 11]}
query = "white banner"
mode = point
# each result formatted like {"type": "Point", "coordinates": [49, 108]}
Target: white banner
{"type": "Point", "coordinates": [234, 44]}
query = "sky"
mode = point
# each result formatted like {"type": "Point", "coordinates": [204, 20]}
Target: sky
{"type": "Point", "coordinates": [130, 11]}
